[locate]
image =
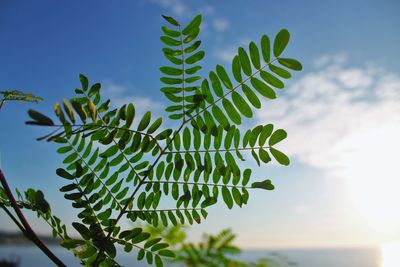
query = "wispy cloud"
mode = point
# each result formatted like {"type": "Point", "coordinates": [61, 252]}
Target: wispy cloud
{"type": "Point", "coordinates": [345, 122]}
{"type": "Point", "coordinates": [122, 94]}
{"type": "Point", "coordinates": [227, 52]}
{"type": "Point", "coordinates": [328, 107]}
{"type": "Point", "coordinates": [177, 7]}
{"type": "Point", "coordinates": [220, 24]}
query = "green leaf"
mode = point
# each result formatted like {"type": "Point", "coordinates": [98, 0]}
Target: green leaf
{"type": "Point", "coordinates": [166, 253]}
{"type": "Point", "coordinates": [224, 77]}
{"type": "Point", "coordinates": [71, 243]}
{"type": "Point", "coordinates": [141, 200]}
{"type": "Point", "coordinates": [171, 71]}
{"type": "Point", "coordinates": [68, 188]}
{"type": "Point", "coordinates": [84, 82]}
{"type": "Point", "coordinates": [79, 109]}
{"type": "Point", "coordinates": [192, 70]}
{"type": "Point", "coordinates": [277, 136]}
{"type": "Point", "coordinates": [172, 218]}
{"type": "Point", "coordinates": [281, 41]}
{"type": "Point", "coordinates": [290, 63]}
{"type": "Point", "coordinates": [193, 25]}
{"type": "Point", "coordinates": [195, 57]}
{"type": "Point", "coordinates": [64, 174]}
{"type": "Point", "coordinates": [171, 81]}
{"type": "Point", "coordinates": [266, 184]}
{"type": "Point", "coordinates": [169, 32]}
{"type": "Point", "coordinates": [220, 116]}
{"type": "Point", "coordinates": [280, 72]}
{"type": "Point", "coordinates": [154, 126]}
{"type": "Point", "coordinates": [159, 246]}
{"type": "Point", "coordinates": [271, 79]}
{"type": "Point", "coordinates": [140, 237]}
{"type": "Point", "coordinates": [93, 110]}
{"type": "Point", "coordinates": [266, 48]}
{"type": "Point", "coordinates": [83, 230]}
{"type": "Point", "coordinates": [149, 257]}
{"type": "Point", "coordinates": [151, 242]}
{"type": "Point", "coordinates": [69, 111]}
{"type": "Point", "coordinates": [227, 197]}
{"type": "Point", "coordinates": [192, 47]}
{"type": "Point", "coordinates": [141, 254]}
{"type": "Point", "coordinates": [244, 61]}
{"type": "Point", "coordinates": [111, 151]}
{"type": "Point", "coordinates": [265, 133]}
{"type": "Point", "coordinates": [158, 261]}
{"type": "Point", "coordinates": [130, 115]}
{"type": "Point", "coordinates": [231, 111]}
{"type": "Point", "coordinates": [236, 69]}
{"type": "Point", "coordinates": [251, 96]}
{"type": "Point", "coordinates": [280, 156]}
{"type": "Point", "coordinates": [241, 105]}
{"type": "Point", "coordinates": [254, 55]}
{"type": "Point", "coordinates": [216, 84]}
{"type": "Point", "coordinates": [144, 122]}
{"type": "Point", "coordinates": [39, 118]}
{"type": "Point", "coordinates": [94, 89]}
{"type": "Point", "coordinates": [186, 138]}
{"type": "Point", "coordinates": [246, 176]}
{"type": "Point", "coordinates": [237, 196]}
{"type": "Point", "coordinates": [263, 88]}
{"type": "Point", "coordinates": [264, 156]}
{"type": "Point", "coordinates": [192, 35]}
{"type": "Point", "coordinates": [171, 20]}
{"type": "Point", "coordinates": [170, 41]}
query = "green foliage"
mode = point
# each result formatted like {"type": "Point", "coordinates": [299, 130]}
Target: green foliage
{"type": "Point", "coordinates": [215, 251]}
{"type": "Point", "coordinates": [16, 95]}
{"type": "Point", "coordinates": [119, 166]}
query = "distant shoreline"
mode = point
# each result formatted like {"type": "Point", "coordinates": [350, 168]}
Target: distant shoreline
{"type": "Point", "coordinates": [14, 238]}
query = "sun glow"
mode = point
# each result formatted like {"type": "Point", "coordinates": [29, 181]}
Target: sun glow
{"type": "Point", "coordinates": [390, 254]}
{"type": "Point", "coordinates": [372, 166]}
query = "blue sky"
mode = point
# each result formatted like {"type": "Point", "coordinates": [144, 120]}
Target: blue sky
{"type": "Point", "coordinates": [341, 112]}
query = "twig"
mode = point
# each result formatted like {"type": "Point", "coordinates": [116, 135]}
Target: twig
{"type": "Point", "coordinates": [29, 233]}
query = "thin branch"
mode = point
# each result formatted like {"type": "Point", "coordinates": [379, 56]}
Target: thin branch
{"type": "Point", "coordinates": [160, 210]}
{"type": "Point", "coordinates": [201, 184]}
{"type": "Point", "coordinates": [231, 90]}
{"type": "Point", "coordinates": [121, 213]}
{"type": "Point", "coordinates": [216, 150]}
{"type": "Point", "coordinates": [183, 77]}
{"type": "Point", "coordinates": [104, 126]}
{"type": "Point", "coordinates": [95, 174]}
{"type": "Point", "coordinates": [13, 218]}
{"type": "Point", "coordinates": [30, 234]}
{"type": "Point", "coordinates": [2, 102]}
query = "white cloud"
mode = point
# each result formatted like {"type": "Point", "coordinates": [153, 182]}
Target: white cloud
{"type": "Point", "coordinates": [225, 54]}
{"type": "Point", "coordinates": [220, 24]}
{"type": "Point", "coordinates": [177, 7]}
{"type": "Point", "coordinates": [207, 10]}
{"type": "Point", "coordinates": [326, 107]}
{"type": "Point", "coordinates": [345, 121]}
{"type": "Point", "coordinates": [323, 60]}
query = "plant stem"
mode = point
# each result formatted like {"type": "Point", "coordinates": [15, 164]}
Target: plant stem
{"type": "Point", "coordinates": [29, 233]}
{"type": "Point", "coordinates": [2, 102]}
{"type": "Point", "coordinates": [13, 218]}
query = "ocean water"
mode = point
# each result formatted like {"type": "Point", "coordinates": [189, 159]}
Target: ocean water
{"type": "Point", "coordinates": [30, 256]}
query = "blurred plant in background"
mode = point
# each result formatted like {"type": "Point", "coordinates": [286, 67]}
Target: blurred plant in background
{"type": "Point", "coordinates": [212, 251]}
